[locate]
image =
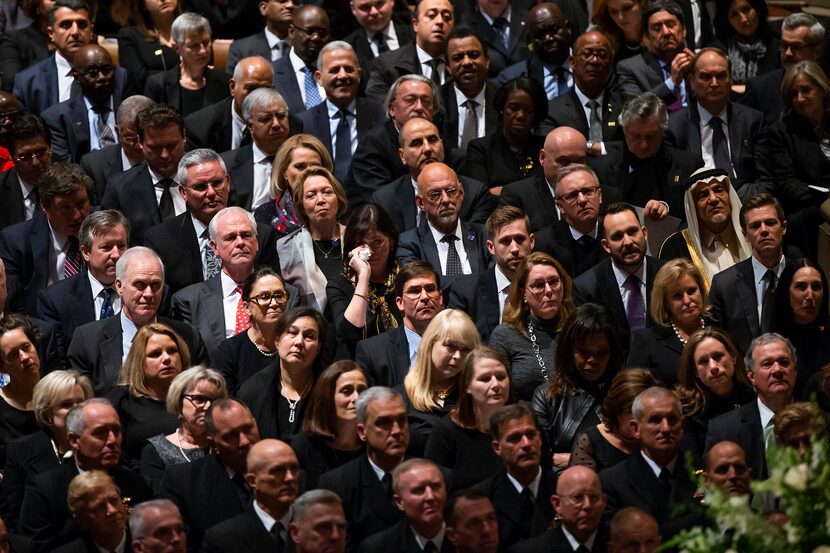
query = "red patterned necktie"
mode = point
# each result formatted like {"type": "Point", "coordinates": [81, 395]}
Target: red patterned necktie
{"type": "Point", "coordinates": [243, 319]}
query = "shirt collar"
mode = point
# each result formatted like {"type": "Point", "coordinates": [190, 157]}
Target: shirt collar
{"type": "Point", "coordinates": [505, 15]}
{"type": "Point", "coordinates": [460, 98]}
{"type": "Point", "coordinates": [25, 187]}
{"type": "Point", "coordinates": [228, 284]}
{"type": "Point", "coordinates": [705, 116]}
{"type": "Point", "coordinates": [88, 104]}
{"type": "Point", "coordinates": [759, 269]}
{"type": "Point", "coordinates": [155, 177]}
{"type": "Point", "coordinates": [589, 543]}
{"type": "Point", "coordinates": [577, 235]}
{"type": "Point", "coordinates": [125, 161]}
{"type": "Point", "coordinates": [272, 38]}
{"type": "Point", "coordinates": [438, 539]}
{"type": "Point", "coordinates": [333, 110]}
{"type": "Point", "coordinates": [501, 279]}
{"type": "Point", "coordinates": [128, 328]}
{"type": "Point", "coordinates": [379, 472]}
{"type": "Point", "coordinates": [96, 285]}
{"type": "Point", "coordinates": [534, 486]}
{"type": "Point", "coordinates": [238, 122]}
{"type": "Point", "coordinates": [259, 155]}
{"type": "Point", "coordinates": [621, 275]}
{"type": "Point", "coordinates": [765, 412]}
{"type": "Point", "coordinates": [58, 239]}
{"type": "Point", "coordinates": [438, 235]}
{"type": "Point", "coordinates": [296, 62]}
{"type": "Point", "coordinates": [583, 99]}
{"type": "Point", "coordinates": [657, 468]}
{"type": "Point", "coordinates": [412, 338]}
{"type": "Point", "coordinates": [199, 226]}
{"type": "Point", "coordinates": [63, 65]}
{"type": "Point", "coordinates": [423, 56]}
{"type": "Point", "coordinates": [268, 521]}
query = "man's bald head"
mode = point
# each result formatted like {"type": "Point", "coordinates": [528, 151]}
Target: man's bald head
{"type": "Point", "coordinates": [726, 468]}
{"type": "Point", "coordinates": [563, 146]}
{"type": "Point", "coordinates": [264, 450]}
{"type": "Point", "coordinates": [9, 108]}
{"type": "Point", "coordinates": [250, 73]}
{"type": "Point", "coordinates": [273, 473]}
{"type": "Point", "coordinates": [579, 501]}
{"type": "Point", "coordinates": [633, 531]}
{"type": "Point", "coordinates": [435, 172]}
{"type": "Point", "coordinates": [440, 196]}
{"type": "Point", "coordinates": [95, 73]}
{"type": "Point", "coordinates": [549, 33]}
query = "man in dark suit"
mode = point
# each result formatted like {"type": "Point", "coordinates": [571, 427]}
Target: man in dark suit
{"type": "Point", "coordinates": [272, 42]}
{"type": "Point", "coordinates": [89, 295]}
{"type": "Point", "coordinates": [420, 493]}
{"type": "Point", "coordinates": [319, 523]}
{"type": "Point", "coordinates": [472, 526]}
{"type": "Point", "coordinates": [418, 297]}
{"type": "Point", "coordinates": [294, 73]}
{"type": "Point", "coordinates": [98, 349]}
{"type": "Point", "coordinates": [213, 489]}
{"type": "Point", "coordinates": [454, 248]}
{"type": "Point", "coordinates": [160, 520]}
{"type": "Point", "coordinates": [146, 193]}
{"type": "Point", "coordinates": [468, 99]}
{"type": "Point", "coordinates": [646, 171]}
{"type": "Point", "coordinates": [432, 21]}
{"type": "Point", "coordinates": [548, 63]}
{"type": "Point", "coordinates": [365, 484]}
{"type": "Point", "coordinates": [94, 433]}
{"type": "Point", "coordinates": [183, 242]}
{"type": "Point", "coordinates": [656, 69]}
{"type": "Point", "coordinates": [49, 81]}
{"type": "Point", "coordinates": [622, 283]}
{"type": "Point", "coordinates": [633, 528]}
{"type": "Point", "coordinates": [377, 32]}
{"type": "Point", "coordinates": [655, 479]}
{"type": "Point", "coordinates": [101, 528]}
{"type": "Point", "coordinates": [483, 295]}
{"type": "Point", "coordinates": [591, 106]}
{"type": "Point", "coordinates": [30, 146]}
{"type": "Point", "coordinates": [741, 298]}
{"type": "Point", "coordinates": [104, 163]}
{"type": "Point", "coordinates": [580, 528]}
{"type": "Point", "coordinates": [503, 32]}
{"type": "Point", "coordinates": [220, 126]}
{"type": "Point", "coordinates": [730, 142]}
{"type": "Point", "coordinates": [521, 493]}
{"type": "Point", "coordinates": [420, 145]}
{"type": "Point", "coordinates": [342, 119]}
{"type": "Point", "coordinates": [273, 474]}
{"type": "Point", "coordinates": [45, 249]}
{"type": "Point", "coordinates": [86, 122]}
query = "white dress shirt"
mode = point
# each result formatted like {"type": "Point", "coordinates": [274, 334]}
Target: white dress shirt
{"type": "Point", "coordinates": [706, 149]}
{"type": "Point", "coordinates": [230, 300]}
{"type": "Point", "coordinates": [391, 39]}
{"type": "Point", "coordinates": [92, 118]}
{"type": "Point", "coordinates": [299, 74]}
{"type": "Point", "coordinates": [758, 272]}
{"type": "Point", "coordinates": [262, 177]}
{"type": "Point", "coordinates": [426, 68]}
{"type": "Point", "coordinates": [335, 121]}
{"type": "Point", "coordinates": [57, 255]}
{"type": "Point", "coordinates": [548, 74]}
{"type": "Point", "coordinates": [413, 341]}
{"type": "Point", "coordinates": [238, 127]}
{"type": "Point", "coordinates": [444, 248]}
{"type": "Point", "coordinates": [179, 205]}
{"type": "Point", "coordinates": [268, 521]}
{"type": "Point", "coordinates": [657, 469]}
{"type": "Point", "coordinates": [533, 486]}
{"type": "Point", "coordinates": [274, 40]}
{"type": "Point", "coordinates": [65, 78]}
{"type": "Point", "coordinates": [460, 100]}
{"type": "Point", "coordinates": [98, 297]}
{"type": "Point", "coordinates": [128, 332]}
{"type": "Point", "coordinates": [126, 164]}
{"type": "Point", "coordinates": [503, 286]}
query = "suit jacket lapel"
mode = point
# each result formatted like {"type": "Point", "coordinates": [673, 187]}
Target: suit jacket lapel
{"type": "Point", "coordinates": [491, 118]}
{"type": "Point", "coordinates": [572, 105]}
{"type": "Point", "coordinates": [244, 182]}
{"type": "Point", "coordinates": [471, 245]}
{"type": "Point", "coordinates": [489, 295]}
{"type": "Point", "coordinates": [321, 121]}
{"type": "Point", "coordinates": [41, 243]}
{"type": "Point", "coordinates": [736, 134]}
{"type": "Point", "coordinates": [751, 421]}
{"type": "Point", "coordinates": [146, 190]}
{"type": "Point", "coordinates": [430, 247]}
{"type": "Point", "coordinates": [14, 208]}
{"type": "Point", "coordinates": [608, 284]}
{"type": "Point", "coordinates": [111, 348]}
{"type": "Point", "coordinates": [171, 87]}
{"type": "Point", "coordinates": [85, 306]}
{"type": "Point", "coordinates": [400, 352]}
{"type": "Point", "coordinates": [52, 93]}
{"type": "Point", "coordinates": [451, 108]}
{"type": "Point", "coordinates": [373, 493]}
{"type": "Point", "coordinates": [80, 124]}
{"type": "Point", "coordinates": [210, 297]}
{"type": "Point", "coordinates": [364, 123]}
{"type": "Point", "coordinates": [406, 196]}
{"type": "Point", "coordinates": [745, 288]}
{"type": "Point", "coordinates": [517, 27]}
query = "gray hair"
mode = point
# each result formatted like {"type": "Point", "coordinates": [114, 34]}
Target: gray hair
{"type": "Point", "coordinates": [409, 464]}
{"type": "Point", "coordinates": [189, 378]}
{"type": "Point", "coordinates": [75, 422]}
{"type": "Point", "coordinates": [124, 261]}
{"type": "Point", "coordinates": [213, 227]}
{"type": "Point", "coordinates": [375, 393]}
{"type": "Point", "coordinates": [301, 505]}
{"type": "Point", "coordinates": [331, 46]}
{"type": "Point", "coordinates": [646, 105]}
{"type": "Point", "coordinates": [188, 24]}
{"type": "Point", "coordinates": [393, 90]}
{"type": "Point", "coordinates": [573, 168]}
{"type": "Point", "coordinates": [801, 19]}
{"type": "Point", "coordinates": [239, 70]}
{"type": "Point", "coordinates": [137, 525]}
{"type": "Point", "coordinates": [197, 157]}
{"type": "Point", "coordinates": [764, 339]}
{"type": "Point", "coordinates": [130, 107]}
{"type": "Point", "coordinates": [260, 98]}
{"type": "Point", "coordinates": [653, 392]}
{"type": "Point", "coordinates": [99, 222]}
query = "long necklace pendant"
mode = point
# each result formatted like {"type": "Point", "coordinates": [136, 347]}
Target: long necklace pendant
{"type": "Point", "coordinates": [291, 416]}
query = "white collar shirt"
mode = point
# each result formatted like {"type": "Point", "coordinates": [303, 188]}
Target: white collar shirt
{"type": "Point", "coordinates": [444, 248]}
{"type": "Point", "coordinates": [481, 104]}
{"type": "Point", "coordinates": [65, 78]}
{"type": "Point", "coordinates": [179, 205]}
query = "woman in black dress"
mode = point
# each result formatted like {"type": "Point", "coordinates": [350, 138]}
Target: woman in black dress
{"type": "Point", "coordinates": [329, 437]}
{"type": "Point", "coordinates": [157, 356]}
{"type": "Point", "coordinates": [612, 441]}
{"type": "Point", "coordinates": [462, 442]}
{"type": "Point", "coordinates": [277, 395]}
{"type": "Point", "coordinates": [240, 357]}
{"type": "Point", "coordinates": [587, 358]}
{"type": "Point", "coordinates": [430, 389]}
{"type": "Point", "coordinates": [138, 45]}
{"type": "Point", "coordinates": [188, 398]}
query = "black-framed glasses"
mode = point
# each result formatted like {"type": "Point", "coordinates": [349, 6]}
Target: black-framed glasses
{"type": "Point", "coordinates": [198, 400]}
{"type": "Point", "coordinates": [572, 197]}
{"type": "Point", "coordinates": [216, 184]}
{"type": "Point", "coordinates": [264, 299]}
{"type": "Point", "coordinates": [319, 31]}
{"type": "Point", "coordinates": [414, 292]}
{"type": "Point", "coordinates": [40, 153]}
{"type": "Point", "coordinates": [602, 55]}
{"type": "Point", "coordinates": [538, 286]}
{"type": "Point", "coordinates": [92, 72]}
{"type": "Point", "coordinates": [435, 195]}
{"type": "Point", "coordinates": [796, 48]}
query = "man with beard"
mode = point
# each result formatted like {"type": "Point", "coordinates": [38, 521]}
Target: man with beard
{"type": "Point", "coordinates": [453, 247]}
{"type": "Point", "coordinates": [342, 119]}
{"type": "Point", "coordinates": [294, 74]}
{"type": "Point", "coordinates": [418, 297]}
{"type": "Point", "coordinates": [663, 68]}
{"type": "Point", "coordinates": [547, 28]}
{"type": "Point", "coordinates": [623, 282]}
{"type": "Point", "coordinates": [483, 295]}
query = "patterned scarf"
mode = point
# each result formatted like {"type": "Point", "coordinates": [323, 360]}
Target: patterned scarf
{"type": "Point", "coordinates": [745, 59]}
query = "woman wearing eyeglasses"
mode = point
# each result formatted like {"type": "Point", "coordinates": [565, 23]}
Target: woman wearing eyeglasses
{"type": "Point", "coordinates": [539, 302]}
{"type": "Point", "coordinates": [188, 399]}
{"type": "Point", "coordinates": [240, 357]}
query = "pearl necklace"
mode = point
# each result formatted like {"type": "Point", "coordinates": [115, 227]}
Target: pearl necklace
{"type": "Point", "coordinates": [264, 352]}
{"type": "Point", "coordinates": [677, 332]}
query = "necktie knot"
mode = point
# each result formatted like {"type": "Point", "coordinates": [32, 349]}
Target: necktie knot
{"type": "Point", "coordinates": [165, 183]}
{"type": "Point", "coordinates": [499, 23]}
{"type": "Point", "coordinates": [770, 277]}
{"type": "Point", "coordinates": [715, 121]}
{"type": "Point", "coordinates": [449, 239]}
{"type": "Point", "coordinates": [470, 104]}
{"type": "Point", "coordinates": [72, 262]}
{"type": "Point", "coordinates": [101, 109]}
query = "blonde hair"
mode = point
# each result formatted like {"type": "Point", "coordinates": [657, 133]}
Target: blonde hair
{"type": "Point", "coordinates": [87, 486]}
{"type": "Point", "coordinates": [52, 388]}
{"type": "Point", "coordinates": [450, 324]}
{"type": "Point", "coordinates": [285, 155]}
{"type": "Point", "coordinates": [189, 378]}
{"type": "Point", "coordinates": [669, 275]}
{"type": "Point", "coordinates": [132, 374]}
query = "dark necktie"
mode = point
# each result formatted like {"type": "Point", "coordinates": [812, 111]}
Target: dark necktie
{"type": "Point", "coordinates": [470, 129]}
{"type": "Point", "coordinates": [72, 261]}
{"type": "Point", "coordinates": [243, 492]}
{"type": "Point", "coordinates": [454, 267]}
{"type": "Point", "coordinates": [380, 41]}
{"type": "Point", "coordinates": [665, 482]}
{"type": "Point", "coordinates": [594, 123]}
{"type": "Point", "coordinates": [276, 533]}
{"type": "Point", "coordinates": [386, 483]}
{"type": "Point", "coordinates": [106, 307]}
{"type": "Point", "coordinates": [105, 134]}
{"type": "Point", "coordinates": [429, 547]}
{"type": "Point", "coordinates": [500, 26]}
{"type": "Point", "coordinates": [635, 306]}
{"type": "Point", "coordinates": [585, 245]}
{"type": "Point", "coordinates": [166, 209]}
{"type": "Point", "coordinates": [436, 70]}
{"type": "Point", "coordinates": [770, 278]}
{"type": "Point", "coordinates": [720, 149]}
{"type": "Point", "coordinates": [245, 139]}
{"type": "Point", "coordinates": [561, 80]}
{"type": "Point", "coordinates": [343, 146]}
{"type": "Point", "coordinates": [582, 549]}
{"type": "Point", "coordinates": [528, 505]}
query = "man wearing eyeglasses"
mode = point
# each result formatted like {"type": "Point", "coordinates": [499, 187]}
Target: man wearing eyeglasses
{"type": "Point", "coordinates": [86, 122]}
{"type": "Point", "coordinates": [30, 147]}
{"type": "Point", "coordinates": [453, 247]}
{"type": "Point", "coordinates": [294, 73]}
{"type": "Point", "coordinates": [156, 527]}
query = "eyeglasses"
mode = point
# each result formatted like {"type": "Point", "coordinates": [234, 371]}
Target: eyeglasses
{"type": "Point", "coordinates": [796, 48]}
{"type": "Point", "coordinates": [264, 299]}
{"type": "Point", "coordinates": [415, 292]}
{"type": "Point", "coordinates": [198, 400]}
{"type": "Point", "coordinates": [435, 196]}
{"type": "Point", "coordinates": [92, 72]}
{"type": "Point", "coordinates": [573, 197]}
{"type": "Point", "coordinates": [579, 498]}
{"type": "Point", "coordinates": [8, 117]}
{"type": "Point", "coordinates": [216, 184]}
{"type": "Point", "coordinates": [321, 33]}
{"type": "Point", "coordinates": [411, 100]}
{"type": "Point", "coordinates": [538, 286]}
{"type": "Point", "coordinates": [602, 55]}
{"type": "Point", "coordinates": [28, 157]}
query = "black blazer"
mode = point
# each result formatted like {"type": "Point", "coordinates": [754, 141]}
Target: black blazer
{"type": "Point", "coordinates": [566, 111]}
{"type": "Point", "coordinates": [19, 49]}
{"type": "Point", "coordinates": [385, 357]}
{"type": "Point", "coordinates": [204, 493]}
{"type": "Point", "coordinates": [367, 506]}
{"type": "Point", "coordinates": [101, 165]}
{"type": "Point", "coordinates": [36, 87]}
{"type": "Point", "coordinates": [598, 285]}
{"type": "Point", "coordinates": [133, 194]}
{"type": "Point", "coordinates": [513, 528]}
{"type": "Point", "coordinates": [533, 67]}
{"type": "Point", "coordinates": [84, 544]}
{"type": "Point", "coordinates": [360, 41]}
{"type": "Point", "coordinates": [398, 199]}
{"type": "Point", "coordinates": [742, 426]}
{"type": "Point", "coordinates": [658, 349]}
{"type": "Point", "coordinates": [11, 198]}
{"type": "Point", "coordinates": [558, 241]}
{"type": "Point", "coordinates": [240, 166]}
{"type": "Point", "coordinates": [243, 533]}
{"type": "Point", "coordinates": [554, 541]}
{"type": "Point", "coordinates": [24, 248]}
{"type": "Point", "coordinates": [418, 243]}
{"type": "Point", "coordinates": [490, 160]}
{"type": "Point", "coordinates": [375, 163]}
{"type": "Point", "coordinates": [138, 56]}
{"type": "Point", "coordinates": [762, 93]}
{"type": "Point", "coordinates": [533, 196]}
{"type": "Point", "coordinates": [399, 538]}
{"type": "Point", "coordinates": [164, 87]}
{"type": "Point", "coordinates": [501, 57]}
{"type": "Point", "coordinates": [211, 126]}
{"type": "Point", "coordinates": [21, 544]}
{"type": "Point", "coordinates": [96, 350]}
{"type": "Point", "coordinates": [285, 82]}
{"type": "Point", "coordinates": [67, 304]}
{"type": "Point", "coordinates": [390, 65]}
{"type": "Point", "coordinates": [260, 393]}
{"type": "Point", "coordinates": [253, 45]}
{"type": "Point", "coordinates": [45, 516]}
{"type": "Point", "coordinates": [25, 457]}
{"type": "Point", "coordinates": [476, 295]}
{"type": "Point", "coordinates": [449, 130]}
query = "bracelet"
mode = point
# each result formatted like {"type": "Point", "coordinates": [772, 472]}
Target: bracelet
{"type": "Point", "coordinates": [361, 296]}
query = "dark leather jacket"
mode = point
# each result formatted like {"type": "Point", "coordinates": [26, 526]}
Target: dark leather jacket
{"type": "Point", "coordinates": [560, 416]}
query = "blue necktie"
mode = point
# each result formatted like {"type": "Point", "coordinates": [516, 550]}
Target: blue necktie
{"type": "Point", "coordinates": [343, 146]}
{"type": "Point", "coordinates": [312, 94]}
{"type": "Point", "coordinates": [106, 307]}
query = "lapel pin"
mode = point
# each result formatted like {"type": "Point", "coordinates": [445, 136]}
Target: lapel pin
{"type": "Point", "coordinates": [470, 237]}
{"type": "Point", "coordinates": [677, 178]}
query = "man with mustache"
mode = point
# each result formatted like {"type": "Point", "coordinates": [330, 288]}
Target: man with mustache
{"type": "Point", "coordinates": [343, 118]}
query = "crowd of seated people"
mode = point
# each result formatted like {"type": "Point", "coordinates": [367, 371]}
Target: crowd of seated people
{"type": "Point", "coordinates": [432, 276]}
